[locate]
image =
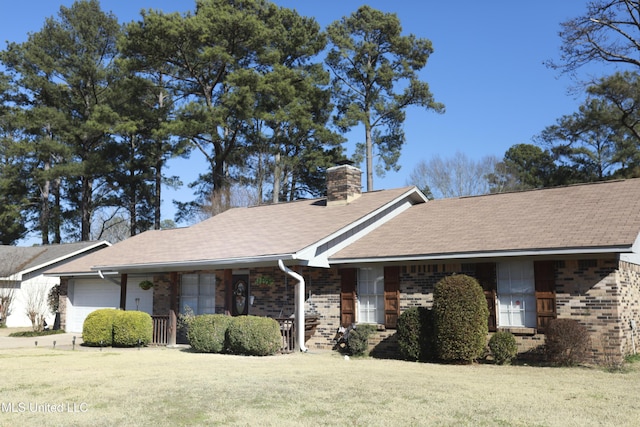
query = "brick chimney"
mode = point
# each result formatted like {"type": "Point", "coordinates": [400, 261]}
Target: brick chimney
{"type": "Point", "coordinates": [344, 184]}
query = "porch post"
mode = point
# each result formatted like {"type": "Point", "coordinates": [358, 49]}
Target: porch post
{"type": "Point", "coordinates": [173, 308]}
{"type": "Point", "coordinates": [227, 281]}
{"type": "Point", "coordinates": [123, 292]}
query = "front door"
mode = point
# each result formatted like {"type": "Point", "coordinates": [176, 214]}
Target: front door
{"type": "Point", "coordinates": [240, 302]}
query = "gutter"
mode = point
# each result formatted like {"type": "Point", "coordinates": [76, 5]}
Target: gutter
{"type": "Point", "coordinates": [110, 279]}
{"type": "Point", "coordinates": [483, 255]}
{"type": "Point", "coordinates": [299, 306]}
{"type": "Point", "coordinates": [265, 260]}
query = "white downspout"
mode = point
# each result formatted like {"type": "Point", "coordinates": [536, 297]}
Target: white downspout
{"type": "Point", "coordinates": [299, 304]}
{"type": "Point", "coordinates": [103, 277]}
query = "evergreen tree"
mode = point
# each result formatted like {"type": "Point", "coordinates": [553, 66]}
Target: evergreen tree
{"type": "Point", "coordinates": [375, 76]}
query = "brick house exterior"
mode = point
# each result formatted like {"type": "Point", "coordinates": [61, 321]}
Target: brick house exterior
{"type": "Point", "coordinates": [570, 252]}
{"type": "Point", "coordinates": [601, 293]}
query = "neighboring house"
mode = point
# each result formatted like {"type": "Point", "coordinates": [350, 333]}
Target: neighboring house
{"type": "Point", "coordinates": [22, 279]}
{"type": "Point", "coordinates": [571, 252]}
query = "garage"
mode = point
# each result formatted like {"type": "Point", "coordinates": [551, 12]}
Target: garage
{"type": "Point", "coordinates": [87, 295]}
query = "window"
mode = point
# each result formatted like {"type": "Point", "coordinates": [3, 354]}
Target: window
{"type": "Point", "coordinates": [198, 293]}
{"type": "Point", "coordinates": [516, 294]}
{"type": "Point", "coordinates": [371, 295]}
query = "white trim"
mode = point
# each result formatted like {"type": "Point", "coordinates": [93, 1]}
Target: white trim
{"type": "Point", "coordinates": [266, 260]}
{"type": "Point", "coordinates": [86, 274]}
{"type": "Point", "coordinates": [319, 257]}
{"type": "Point", "coordinates": [64, 257]}
{"type": "Point", "coordinates": [473, 255]}
{"type": "Point", "coordinates": [630, 258]}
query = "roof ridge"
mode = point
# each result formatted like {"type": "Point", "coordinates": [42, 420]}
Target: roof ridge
{"type": "Point", "coordinates": [557, 187]}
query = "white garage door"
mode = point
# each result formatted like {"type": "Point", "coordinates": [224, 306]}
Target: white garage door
{"type": "Point", "coordinates": [87, 296]}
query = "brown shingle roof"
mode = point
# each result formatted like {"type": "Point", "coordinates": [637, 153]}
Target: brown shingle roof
{"type": "Point", "coordinates": [599, 215]}
{"type": "Point", "coordinates": [240, 233]}
{"type": "Point", "coordinates": [15, 259]}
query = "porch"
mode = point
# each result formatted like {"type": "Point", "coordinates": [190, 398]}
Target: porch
{"type": "Point", "coordinates": [162, 330]}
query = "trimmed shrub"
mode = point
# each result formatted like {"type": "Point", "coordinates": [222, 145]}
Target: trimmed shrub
{"type": "Point", "coordinates": [415, 334]}
{"type": "Point", "coordinates": [253, 336]}
{"type": "Point", "coordinates": [566, 342]}
{"type": "Point", "coordinates": [358, 339]}
{"type": "Point", "coordinates": [207, 332]}
{"type": "Point", "coordinates": [460, 317]}
{"type": "Point", "coordinates": [97, 329]}
{"type": "Point", "coordinates": [131, 328]}
{"type": "Point", "coordinates": [503, 347]}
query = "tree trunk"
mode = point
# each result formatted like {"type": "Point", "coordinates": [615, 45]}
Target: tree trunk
{"type": "Point", "coordinates": [157, 197]}
{"type": "Point", "coordinates": [86, 208]}
{"type": "Point", "coordinates": [45, 208]}
{"type": "Point", "coordinates": [57, 212]}
{"type": "Point", "coordinates": [277, 175]}
{"type": "Point", "coordinates": [369, 155]}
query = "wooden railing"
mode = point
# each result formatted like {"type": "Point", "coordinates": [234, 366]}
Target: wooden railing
{"type": "Point", "coordinates": [287, 329]}
{"type": "Point", "coordinates": [160, 330]}
{"type": "Point", "coordinates": [288, 336]}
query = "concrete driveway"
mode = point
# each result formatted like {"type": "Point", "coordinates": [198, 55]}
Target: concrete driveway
{"type": "Point", "coordinates": [62, 341]}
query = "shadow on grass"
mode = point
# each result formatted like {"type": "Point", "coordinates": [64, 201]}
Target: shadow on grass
{"type": "Point", "coordinates": [28, 334]}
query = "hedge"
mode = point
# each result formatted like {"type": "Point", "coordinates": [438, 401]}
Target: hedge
{"type": "Point", "coordinates": [567, 342]}
{"type": "Point", "coordinates": [207, 332]}
{"type": "Point", "coordinates": [112, 327]}
{"type": "Point", "coordinates": [131, 328]}
{"type": "Point", "coordinates": [460, 317]}
{"type": "Point", "coordinates": [415, 334]}
{"type": "Point", "coordinates": [503, 347]}
{"type": "Point", "coordinates": [254, 336]}
{"type": "Point", "coordinates": [97, 329]}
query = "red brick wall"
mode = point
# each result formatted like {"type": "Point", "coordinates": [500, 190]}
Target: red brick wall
{"type": "Point", "coordinates": [602, 294]}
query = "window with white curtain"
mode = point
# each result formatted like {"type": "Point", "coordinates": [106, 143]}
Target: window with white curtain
{"type": "Point", "coordinates": [516, 294]}
{"type": "Point", "coordinates": [198, 292]}
{"type": "Point", "coordinates": [371, 295]}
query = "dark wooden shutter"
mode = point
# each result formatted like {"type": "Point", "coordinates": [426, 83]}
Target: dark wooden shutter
{"type": "Point", "coordinates": [391, 296]}
{"type": "Point", "coordinates": [348, 284]}
{"type": "Point", "coordinates": [545, 279]}
{"type": "Point", "coordinates": [486, 276]}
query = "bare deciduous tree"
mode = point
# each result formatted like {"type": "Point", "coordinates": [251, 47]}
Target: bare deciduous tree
{"type": "Point", "coordinates": [237, 196]}
{"type": "Point", "coordinates": [9, 265]}
{"type": "Point", "coordinates": [453, 177]}
{"type": "Point", "coordinates": [608, 32]}
{"type": "Point", "coordinates": [36, 304]}
{"type": "Point", "coordinates": [7, 295]}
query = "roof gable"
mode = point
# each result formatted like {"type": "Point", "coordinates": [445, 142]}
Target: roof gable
{"type": "Point", "coordinates": [19, 261]}
{"type": "Point", "coordinates": [307, 231]}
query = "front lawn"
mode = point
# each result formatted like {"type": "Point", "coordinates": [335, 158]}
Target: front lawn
{"type": "Point", "coordinates": [160, 386]}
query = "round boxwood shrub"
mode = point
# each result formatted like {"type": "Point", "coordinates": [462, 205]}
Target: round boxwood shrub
{"type": "Point", "coordinates": [254, 336]}
{"type": "Point", "coordinates": [503, 347]}
{"type": "Point", "coordinates": [207, 332]}
{"type": "Point", "coordinates": [415, 334]}
{"type": "Point", "coordinates": [460, 317]}
{"type": "Point", "coordinates": [358, 339]}
{"type": "Point", "coordinates": [131, 328]}
{"type": "Point", "coordinates": [97, 329]}
{"type": "Point", "coordinates": [566, 342]}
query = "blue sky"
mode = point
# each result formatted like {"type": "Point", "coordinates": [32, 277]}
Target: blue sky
{"type": "Point", "coordinates": [487, 69]}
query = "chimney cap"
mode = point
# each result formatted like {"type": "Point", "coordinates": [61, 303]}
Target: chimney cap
{"type": "Point", "coordinates": [345, 162]}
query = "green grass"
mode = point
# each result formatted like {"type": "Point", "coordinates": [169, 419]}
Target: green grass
{"type": "Point", "coordinates": [159, 386]}
{"type": "Point", "coordinates": [23, 334]}
{"type": "Point", "coordinates": [632, 358]}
